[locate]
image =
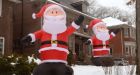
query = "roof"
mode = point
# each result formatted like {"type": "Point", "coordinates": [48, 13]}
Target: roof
{"type": "Point", "coordinates": [67, 3]}
{"type": "Point", "coordinates": [121, 26]}
{"type": "Point", "coordinates": [82, 35]}
{"type": "Point", "coordinates": [16, 1]}
{"type": "Point", "coordinates": [66, 7]}
{"type": "Point", "coordinates": [113, 21]}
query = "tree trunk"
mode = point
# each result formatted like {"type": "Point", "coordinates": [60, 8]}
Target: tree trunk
{"type": "Point", "coordinates": [138, 35]}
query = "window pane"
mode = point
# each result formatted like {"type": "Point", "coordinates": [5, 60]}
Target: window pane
{"type": "Point", "coordinates": [126, 31]}
{"type": "Point", "coordinates": [127, 50]}
{"type": "Point", "coordinates": [1, 45]}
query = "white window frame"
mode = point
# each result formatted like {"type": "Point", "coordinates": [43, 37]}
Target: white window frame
{"type": "Point", "coordinates": [131, 48]}
{"type": "Point", "coordinates": [3, 44]}
{"type": "Point", "coordinates": [133, 33]}
{"type": "Point", "coordinates": [133, 51]}
{"type": "Point", "coordinates": [0, 8]}
{"type": "Point", "coordinates": [126, 32]}
{"type": "Point", "coordinates": [127, 51]}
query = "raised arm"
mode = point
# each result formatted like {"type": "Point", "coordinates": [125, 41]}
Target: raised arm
{"type": "Point", "coordinates": [75, 25]}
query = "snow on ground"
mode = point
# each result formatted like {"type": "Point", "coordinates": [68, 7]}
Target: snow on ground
{"type": "Point", "coordinates": [97, 70]}
{"type": "Point", "coordinates": [87, 70]}
{"type": "Point", "coordinates": [94, 70]}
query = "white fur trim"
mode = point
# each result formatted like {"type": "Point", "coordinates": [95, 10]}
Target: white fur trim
{"type": "Point", "coordinates": [98, 56]}
{"type": "Point", "coordinates": [100, 49]}
{"type": "Point", "coordinates": [113, 34]}
{"type": "Point", "coordinates": [57, 48]}
{"type": "Point", "coordinates": [32, 36]}
{"type": "Point", "coordinates": [98, 24]}
{"type": "Point", "coordinates": [101, 56]}
{"type": "Point", "coordinates": [44, 61]}
{"type": "Point", "coordinates": [34, 16]}
{"type": "Point", "coordinates": [87, 26]}
{"type": "Point", "coordinates": [75, 25]}
{"type": "Point", "coordinates": [90, 41]}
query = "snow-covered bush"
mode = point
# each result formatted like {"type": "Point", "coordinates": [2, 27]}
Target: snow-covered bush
{"type": "Point", "coordinates": [18, 65]}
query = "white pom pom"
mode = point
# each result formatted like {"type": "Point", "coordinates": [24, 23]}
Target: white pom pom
{"type": "Point", "coordinates": [34, 16]}
{"type": "Point", "coordinates": [86, 26]}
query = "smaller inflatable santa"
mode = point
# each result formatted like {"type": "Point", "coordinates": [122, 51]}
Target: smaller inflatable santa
{"type": "Point", "coordinates": [100, 42]}
{"type": "Point", "coordinates": [54, 40]}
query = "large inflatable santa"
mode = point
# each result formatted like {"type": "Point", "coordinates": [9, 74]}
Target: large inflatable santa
{"type": "Point", "coordinates": [100, 42]}
{"type": "Point", "coordinates": [54, 40]}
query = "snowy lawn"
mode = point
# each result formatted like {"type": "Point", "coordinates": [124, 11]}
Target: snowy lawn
{"type": "Point", "coordinates": [87, 70]}
{"type": "Point", "coordinates": [94, 70]}
{"type": "Point", "coordinates": [98, 70]}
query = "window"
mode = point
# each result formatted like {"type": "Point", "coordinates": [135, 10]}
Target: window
{"type": "Point", "coordinates": [126, 32]}
{"type": "Point", "coordinates": [133, 33]}
{"type": "Point", "coordinates": [133, 51]}
{"type": "Point", "coordinates": [0, 8]}
{"type": "Point", "coordinates": [130, 50]}
{"type": "Point", "coordinates": [77, 5]}
{"type": "Point", "coordinates": [1, 45]}
{"type": "Point", "coordinates": [127, 50]}
{"type": "Point", "coordinates": [111, 51]}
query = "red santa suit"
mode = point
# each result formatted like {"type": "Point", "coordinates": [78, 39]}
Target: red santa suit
{"type": "Point", "coordinates": [54, 48]}
{"type": "Point", "coordinates": [54, 41]}
{"type": "Point", "coordinates": [100, 47]}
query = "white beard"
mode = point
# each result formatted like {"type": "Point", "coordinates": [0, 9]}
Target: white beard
{"type": "Point", "coordinates": [104, 36]}
{"type": "Point", "coordinates": [54, 24]}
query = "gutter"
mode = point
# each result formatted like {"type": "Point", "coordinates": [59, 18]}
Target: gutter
{"type": "Point", "coordinates": [65, 7]}
{"type": "Point", "coordinates": [82, 35]}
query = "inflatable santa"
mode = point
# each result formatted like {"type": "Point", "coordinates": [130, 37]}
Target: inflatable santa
{"type": "Point", "coordinates": [100, 41]}
{"type": "Point", "coordinates": [54, 40]}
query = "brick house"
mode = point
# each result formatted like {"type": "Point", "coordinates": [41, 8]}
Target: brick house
{"type": "Point", "coordinates": [16, 22]}
{"type": "Point", "coordinates": [124, 44]}
{"type": "Point", "coordinates": [6, 25]}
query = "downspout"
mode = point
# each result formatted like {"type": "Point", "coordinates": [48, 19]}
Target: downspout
{"type": "Point", "coordinates": [21, 32]}
{"type": "Point", "coordinates": [122, 41]}
{"type": "Point", "coordinates": [22, 21]}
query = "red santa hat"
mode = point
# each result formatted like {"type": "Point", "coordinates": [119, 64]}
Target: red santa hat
{"type": "Point", "coordinates": [95, 22]}
{"type": "Point", "coordinates": [45, 8]}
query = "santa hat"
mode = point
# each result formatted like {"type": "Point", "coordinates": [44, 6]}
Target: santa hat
{"type": "Point", "coordinates": [45, 8]}
{"type": "Point", "coordinates": [95, 22]}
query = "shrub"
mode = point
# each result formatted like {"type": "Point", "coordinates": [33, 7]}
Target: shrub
{"type": "Point", "coordinates": [18, 65]}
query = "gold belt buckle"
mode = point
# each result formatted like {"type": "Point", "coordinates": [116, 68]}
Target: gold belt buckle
{"type": "Point", "coordinates": [53, 41]}
{"type": "Point", "coordinates": [104, 46]}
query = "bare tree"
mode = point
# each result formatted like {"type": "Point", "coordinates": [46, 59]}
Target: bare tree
{"type": "Point", "coordinates": [99, 11]}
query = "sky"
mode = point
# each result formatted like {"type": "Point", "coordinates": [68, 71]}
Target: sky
{"type": "Point", "coordinates": [113, 3]}
{"type": "Point", "coordinates": [127, 11]}
{"type": "Point", "coordinates": [121, 4]}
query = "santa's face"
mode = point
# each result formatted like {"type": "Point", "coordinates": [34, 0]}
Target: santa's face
{"type": "Point", "coordinates": [101, 32]}
{"type": "Point", "coordinates": [54, 20]}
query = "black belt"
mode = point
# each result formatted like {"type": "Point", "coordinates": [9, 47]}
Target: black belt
{"type": "Point", "coordinates": [100, 45]}
{"type": "Point", "coordinates": [54, 42]}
